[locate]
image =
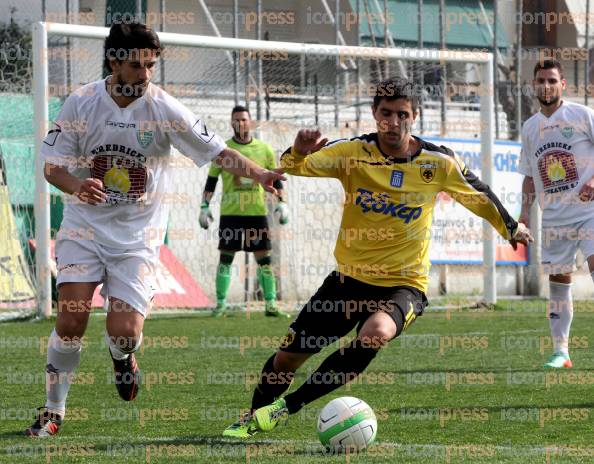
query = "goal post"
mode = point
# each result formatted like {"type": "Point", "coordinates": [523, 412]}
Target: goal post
{"type": "Point", "coordinates": [42, 191]}
{"type": "Point", "coordinates": [41, 32]}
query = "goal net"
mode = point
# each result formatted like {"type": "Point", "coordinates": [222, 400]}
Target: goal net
{"type": "Point", "coordinates": [286, 86]}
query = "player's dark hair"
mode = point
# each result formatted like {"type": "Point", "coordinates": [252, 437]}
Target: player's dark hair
{"type": "Point", "coordinates": [549, 64]}
{"type": "Point", "coordinates": [396, 88]}
{"type": "Point", "coordinates": [239, 109]}
{"type": "Point", "coordinates": [124, 37]}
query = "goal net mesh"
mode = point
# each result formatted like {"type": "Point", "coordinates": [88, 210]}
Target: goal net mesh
{"type": "Point", "coordinates": [290, 92]}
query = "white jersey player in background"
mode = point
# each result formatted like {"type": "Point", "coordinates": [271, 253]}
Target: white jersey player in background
{"type": "Point", "coordinates": [558, 162]}
{"type": "Point", "coordinates": [109, 150]}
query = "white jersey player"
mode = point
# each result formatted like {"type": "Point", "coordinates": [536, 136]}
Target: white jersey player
{"type": "Point", "coordinates": [558, 162]}
{"type": "Point", "coordinates": [110, 151]}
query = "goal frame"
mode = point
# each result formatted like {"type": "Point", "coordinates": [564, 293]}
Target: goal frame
{"type": "Point", "coordinates": [41, 31]}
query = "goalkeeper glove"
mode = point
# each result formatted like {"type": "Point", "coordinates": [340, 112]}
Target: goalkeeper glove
{"type": "Point", "coordinates": [205, 218]}
{"type": "Point", "coordinates": [282, 211]}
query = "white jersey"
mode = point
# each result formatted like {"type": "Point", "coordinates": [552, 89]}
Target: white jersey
{"type": "Point", "coordinates": [129, 149]}
{"type": "Point", "coordinates": [558, 153]}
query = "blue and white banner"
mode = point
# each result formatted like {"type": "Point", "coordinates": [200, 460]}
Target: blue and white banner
{"type": "Point", "coordinates": [457, 234]}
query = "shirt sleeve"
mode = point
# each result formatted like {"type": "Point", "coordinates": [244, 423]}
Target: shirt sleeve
{"type": "Point", "coordinates": [524, 166]}
{"type": "Point", "coordinates": [327, 162]}
{"type": "Point", "coordinates": [60, 146]}
{"type": "Point", "coordinates": [193, 138]}
{"type": "Point", "coordinates": [466, 188]}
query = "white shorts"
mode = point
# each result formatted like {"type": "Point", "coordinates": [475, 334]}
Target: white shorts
{"type": "Point", "coordinates": [560, 245]}
{"type": "Point", "coordinates": [128, 275]}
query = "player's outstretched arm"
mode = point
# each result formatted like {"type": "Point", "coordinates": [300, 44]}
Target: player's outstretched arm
{"type": "Point", "coordinates": [89, 190]}
{"type": "Point", "coordinates": [235, 163]}
{"type": "Point", "coordinates": [477, 196]}
{"type": "Point", "coordinates": [521, 235]}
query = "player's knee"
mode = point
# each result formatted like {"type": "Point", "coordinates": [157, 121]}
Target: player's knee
{"type": "Point", "coordinates": [377, 336]}
{"type": "Point", "coordinates": [127, 333]}
{"type": "Point", "coordinates": [128, 343]}
{"type": "Point", "coordinates": [70, 327]}
{"type": "Point", "coordinates": [288, 362]}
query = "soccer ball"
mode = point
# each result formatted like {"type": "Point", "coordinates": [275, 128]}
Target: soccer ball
{"type": "Point", "coordinates": [347, 424]}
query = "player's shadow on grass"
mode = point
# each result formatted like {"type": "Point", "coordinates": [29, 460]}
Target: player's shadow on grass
{"type": "Point", "coordinates": [18, 433]}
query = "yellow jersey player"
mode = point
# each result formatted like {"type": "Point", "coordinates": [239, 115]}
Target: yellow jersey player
{"type": "Point", "coordinates": [244, 225]}
{"type": "Point", "coordinates": [391, 180]}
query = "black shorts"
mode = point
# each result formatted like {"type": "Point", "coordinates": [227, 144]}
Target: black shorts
{"type": "Point", "coordinates": [341, 304]}
{"type": "Point", "coordinates": [244, 233]}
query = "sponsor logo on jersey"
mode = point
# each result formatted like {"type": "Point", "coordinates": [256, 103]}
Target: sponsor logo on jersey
{"type": "Point", "coordinates": [202, 132]}
{"type": "Point", "coordinates": [114, 148]}
{"type": "Point", "coordinates": [380, 203]}
{"type": "Point", "coordinates": [120, 125]}
{"type": "Point", "coordinates": [397, 178]}
{"type": "Point", "coordinates": [50, 369]}
{"type": "Point", "coordinates": [144, 137]}
{"type": "Point", "coordinates": [52, 135]}
{"type": "Point", "coordinates": [558, 171]}
{"type": "Point", "coordinates": [547, 146]}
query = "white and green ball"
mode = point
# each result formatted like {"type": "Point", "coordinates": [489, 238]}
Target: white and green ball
{"type": "Point", "coordinates": [347, 424]}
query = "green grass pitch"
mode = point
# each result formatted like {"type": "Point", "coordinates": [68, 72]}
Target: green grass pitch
{"type": "Point", "coordinates": [461, 386]}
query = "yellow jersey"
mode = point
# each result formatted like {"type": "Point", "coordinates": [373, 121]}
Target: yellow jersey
{"type": "Point", "coordinates": [386, 222]}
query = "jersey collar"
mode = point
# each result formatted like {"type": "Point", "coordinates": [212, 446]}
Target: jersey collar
{"type": "Point", "coordinates": [112, 102]}
{"type": "Point", "coordinates": [548, 118]}
{"type": "Point", "coordinates": [242, 143]}
{"type": "Point", "coordinates": [393, 160]}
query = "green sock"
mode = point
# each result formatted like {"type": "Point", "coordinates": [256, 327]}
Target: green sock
{"type": "Point", "coordinates": [223, 281]}
{"type": "Point", "coordinates": [267, 282]}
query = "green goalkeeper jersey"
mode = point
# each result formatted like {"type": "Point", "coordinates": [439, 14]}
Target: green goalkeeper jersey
{"type": "Point", "coordinates": [243, 196]}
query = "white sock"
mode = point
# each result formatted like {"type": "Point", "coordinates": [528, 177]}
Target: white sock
{"type": "Point", "coordinates": [62, 360]}
{"type": "Point", "coordinates": [560, 315]}
{"type": "Point", "coordinates": [120, 351]}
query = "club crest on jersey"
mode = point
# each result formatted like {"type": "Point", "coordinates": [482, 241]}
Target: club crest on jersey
{"type": "Point", "coordinates": [397, 178]}
{"type": "Point", "coordinates": [144, 137]}
{"type": "Point", "coordinates": [427, 171]}
{"type": "Point", "coordinates": [567, 131]}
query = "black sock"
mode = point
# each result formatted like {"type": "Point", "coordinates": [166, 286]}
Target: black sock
{"type": "Point", "coordinates": [272, 384]}
{"type": "Point", "coordinates": [338, 369]}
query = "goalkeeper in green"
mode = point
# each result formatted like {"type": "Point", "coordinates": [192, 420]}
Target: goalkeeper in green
{"type": "Point", "coordinates": [243, 224]}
